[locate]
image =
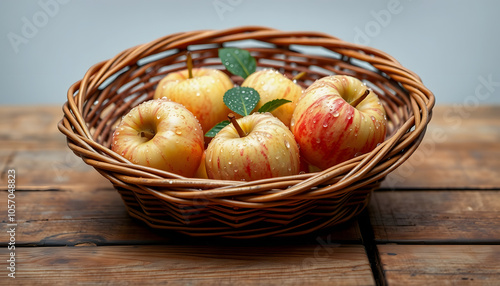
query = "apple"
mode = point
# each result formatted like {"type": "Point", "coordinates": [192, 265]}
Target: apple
{"type": "Point", "coordinates": [271, 84]}
{"type": "Point", "coordinates": [201, 172]}
{"type": "Point", "coordinates": [161, 134]}
{"type": "Point", "coordinates": [253, 147]}
{"type": "Point", "coordinates": [200, 93]}
{"type": "Point", "coordinates": [336, 119]}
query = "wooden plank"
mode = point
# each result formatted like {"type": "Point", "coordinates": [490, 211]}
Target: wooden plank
{"type": "Point", "coordinates": [30, 127]}
{"type": "Point", "coordinates": [441, 264]}
{"type": "Point", "coordinates": [460, 150]}
{"type": "Point", "coordinates": [194, 265]}
{"type": "Point", "coordinates": [31, 144]}
{"type": "Point", "coordinates": [82, 215]}
{"type": "Point", "coordinates": [52, 168]}
{"type": "Point", "coordinates": [436, 216]}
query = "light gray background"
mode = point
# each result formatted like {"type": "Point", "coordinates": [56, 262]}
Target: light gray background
{"type": "Point", "coordinates": [453, 45]}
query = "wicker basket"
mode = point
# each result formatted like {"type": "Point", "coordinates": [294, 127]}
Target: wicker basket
{"type": "Point", "coordinates": [284, 206]}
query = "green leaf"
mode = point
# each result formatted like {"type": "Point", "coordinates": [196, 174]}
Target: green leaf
{"type": "Point", "coordinates": [273, 104]}
{"type": "Point", "coordinates": [238, 61]}
{"type": "Point", "coordinates": [241, 100]}
{"type": "Point", "coordinates": [212, 132]}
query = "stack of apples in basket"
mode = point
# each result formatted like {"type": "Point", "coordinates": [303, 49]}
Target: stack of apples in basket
{"type": "Point", "coordinates": [268, 126]}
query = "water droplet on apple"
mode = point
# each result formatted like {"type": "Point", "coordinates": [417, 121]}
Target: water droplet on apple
{"type": "Point", "coordinates": [170, 182]}
{"type": "Point", "coordinates": [287, 144]}
{"type": "Point", "coordinates": [230, 162]}
{"type": "Point", "coordinates": [318, 140]}
{"type": "Point", "coordinates": [178, 132]}
{"type": "Point", "coordinates": [372, 117]}
{"type": "Point", "coordinates": [314, 121]}
{"type": "Point", "coordinates": [335, 113]}
{"type": "Point", "coordinates": [158, 117]}
{"type": "Point", "coordinates": [236, 170]}
{"type": "Point", "coordinates": [325, 125]}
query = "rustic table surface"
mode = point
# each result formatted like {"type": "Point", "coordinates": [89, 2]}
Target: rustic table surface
{"type": "Point", "coordinates": [436, 219]}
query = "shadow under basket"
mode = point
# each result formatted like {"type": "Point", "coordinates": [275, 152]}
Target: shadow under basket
{"type": "Point", "coordinates": [284, 206]}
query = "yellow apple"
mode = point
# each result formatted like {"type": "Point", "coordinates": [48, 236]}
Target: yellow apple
{"type": "Point", "coordinates": [201, 94]}
{"type": "Point", "coordinates": [161, 134]}
{"type": "Point", "coordinates": [271, 84]}
{"type": "Point", "coordinates": [263, 148]}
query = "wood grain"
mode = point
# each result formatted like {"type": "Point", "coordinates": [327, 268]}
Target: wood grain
{"type": "Point", "coordinates": [52, 169]}
{"type": "Point", "coordinates": [441, 264]}
{"type": "Point", "coordinates": [30, 127]}
{"type": "Point", "coordinates": [460, 150]}
{"type": "Point", "coordinates": [195, 265]}
{"type": "Point", "coordinates": [436, 216]}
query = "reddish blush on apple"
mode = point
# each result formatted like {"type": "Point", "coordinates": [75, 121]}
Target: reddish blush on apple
{"type": "Point", "coordinates": [336, 119]}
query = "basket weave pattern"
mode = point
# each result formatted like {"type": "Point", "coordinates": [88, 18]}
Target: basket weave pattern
{"type": "Point", "coordinates": [282, 206]}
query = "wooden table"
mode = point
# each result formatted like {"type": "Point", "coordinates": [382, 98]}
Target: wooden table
{"type": "Point", "coordinates": [436, 219]}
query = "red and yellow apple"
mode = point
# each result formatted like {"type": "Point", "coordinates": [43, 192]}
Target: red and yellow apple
{"type": "Point", "coordinates": [271, 84]}
{"type": "Point", "coordinates": [263, 147]}
{"type": "Point", "coordinates": [201, 94]}
{"type": "Point", "coordinates": [161, 134]}
{"type": "Point", "coordinates": [337, 119]}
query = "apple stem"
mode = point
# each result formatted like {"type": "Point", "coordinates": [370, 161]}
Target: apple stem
{"type": "Point", "coordinates": [299, 76]}
{"type": "Point", "coordinates": [240, 131]}
{"type": "Point", "coordinates": [148, 134]}
{"type": "Point", "coordinates": [189, 62]}
{"type": "Point", "coordinates": [361, 98]}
